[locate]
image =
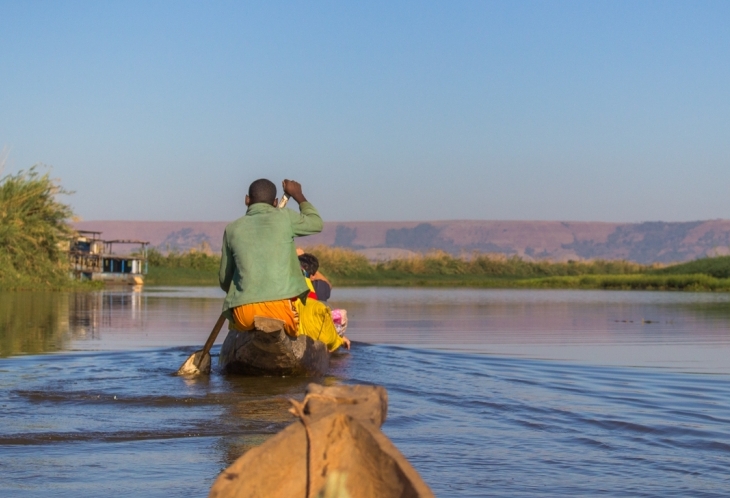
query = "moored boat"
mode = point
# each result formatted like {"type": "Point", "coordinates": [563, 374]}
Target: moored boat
{"type": "Point", "coordinates": [91, 258]}
{"type": "Point", "coordinates": [268, 350]}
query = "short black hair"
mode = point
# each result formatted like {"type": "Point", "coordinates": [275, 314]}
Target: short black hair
{"type": "Point", "coordinates": [309, 262]}
{"type": "Point", "coordinates": [262, 190]}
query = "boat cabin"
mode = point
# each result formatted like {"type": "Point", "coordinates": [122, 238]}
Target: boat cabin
{"type": "Point", "coordinates": [92, 258]}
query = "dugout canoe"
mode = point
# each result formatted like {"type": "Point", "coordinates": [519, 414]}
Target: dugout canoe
{"type": "Point", "coordinates": [334, 449]}
{"type": "Point", "coordinates": [268, 350]}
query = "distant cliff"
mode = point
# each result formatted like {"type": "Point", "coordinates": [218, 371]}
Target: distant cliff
{"type": "Point", "coordinates": [649, 242]}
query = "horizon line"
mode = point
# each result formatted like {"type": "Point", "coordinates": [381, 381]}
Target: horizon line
{"type": "Point", "coordinates": [455, 220]}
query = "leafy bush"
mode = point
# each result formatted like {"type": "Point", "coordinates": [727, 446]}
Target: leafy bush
{"type": "Point", "coordinates": [718, 267]}
{"type": "Point", "coordinates": [33, 224]}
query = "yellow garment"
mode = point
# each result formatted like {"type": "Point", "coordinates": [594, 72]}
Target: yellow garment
{"type": "Point", "coordinates": [284, 309]}
{"type": "Point", "coordinates": [315, 321]}
{"type": "Point", "coordinates": [310, 285]}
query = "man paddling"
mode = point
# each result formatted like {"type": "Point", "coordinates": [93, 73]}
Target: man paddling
{"type": "Point", "coordinates": [260, 271]}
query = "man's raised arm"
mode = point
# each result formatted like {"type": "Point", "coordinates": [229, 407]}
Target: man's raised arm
{"type": "Point", "coordinates": [308, 221]}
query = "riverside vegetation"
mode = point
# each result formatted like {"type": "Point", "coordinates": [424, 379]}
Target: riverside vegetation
{"type": "Point", "coordinates": [345, 267]}
{"type": "Point", "coordinates": [32, 224]}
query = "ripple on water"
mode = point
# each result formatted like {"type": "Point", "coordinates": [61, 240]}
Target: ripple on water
{"type": "Point", "coordinates": [614, 431]}
{"type": "Point", "coordinates": [115, 420]}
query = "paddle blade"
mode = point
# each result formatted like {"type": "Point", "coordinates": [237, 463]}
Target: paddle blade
{"type": "Point", "coordinates": [198, 363]}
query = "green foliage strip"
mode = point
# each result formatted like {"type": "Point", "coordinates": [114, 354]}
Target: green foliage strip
{"type": "Point", "coordinates": [346, 267]}
{"type": "Point", "coordinates": [33, 225]}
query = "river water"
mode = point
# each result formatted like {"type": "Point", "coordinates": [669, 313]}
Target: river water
{"type": "Point", "coordinates": [492, 392]}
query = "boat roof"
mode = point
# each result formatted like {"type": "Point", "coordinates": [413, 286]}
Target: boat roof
{"type": "Point", "coordinates": [124, 241]}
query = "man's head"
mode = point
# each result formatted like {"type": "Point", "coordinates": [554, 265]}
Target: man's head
{"type": "Point", "coordinates": [261, 190]}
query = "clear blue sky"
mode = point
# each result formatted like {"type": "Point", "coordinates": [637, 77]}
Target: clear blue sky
{"type": "Point", "coordinates": [384, 110]}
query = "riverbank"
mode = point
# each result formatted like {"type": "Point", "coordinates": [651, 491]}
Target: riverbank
{"type": "Point", "coordinates": [698, 282]}
{"type": "Point", "coordinates": [607, 282]}
{"type": "Point", "coordinates": [347, 268]}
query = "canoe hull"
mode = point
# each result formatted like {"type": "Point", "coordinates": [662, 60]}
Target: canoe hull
{"type": "Point", "coordinates": [273, 353]}
{"type": "Point", "coordinates": [335, 449]}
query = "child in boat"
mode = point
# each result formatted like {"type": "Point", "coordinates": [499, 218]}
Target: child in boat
{"type": "Point", "coordinates": [305, 271]}
{"type": "Point", "coordinates": [322, 287]}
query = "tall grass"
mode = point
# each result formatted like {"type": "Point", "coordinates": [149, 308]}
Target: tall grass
{"type": "Point", "coordinates": [32, 224]}
{"type": "Point", "coordinates": [340, 262]}
{"type": "Point", "coordinates": [343, 262]}
{"type": "Point", "coordinates": [441, 263]}
{"type": "Point", "coordinates": [193, 259]}
{"type": "Point", "coordinates": [192, 267]}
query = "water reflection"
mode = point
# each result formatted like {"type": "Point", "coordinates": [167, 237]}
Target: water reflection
{"type": "Point", "coordinates": [36, 322]}
{"type": "Point", "coordinates": [33, 323]}
{"type": "Point", "coordinates": [90, 312]}
{"type": "Point", "coordinates": [683, 330]}
{"type": "Point", "coordinates": [690, 331]}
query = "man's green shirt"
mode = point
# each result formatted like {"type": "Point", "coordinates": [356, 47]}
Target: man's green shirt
{"type": "Point", "coordinates": [259, 260]}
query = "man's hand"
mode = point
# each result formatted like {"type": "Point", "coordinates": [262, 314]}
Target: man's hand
{"type": "Point", "coordinates": [346, 342]}
{"type": "Point", "coordinates": [294, 190]}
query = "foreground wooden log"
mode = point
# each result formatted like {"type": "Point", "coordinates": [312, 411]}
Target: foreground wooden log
{"type": "Point", "coordinates": [335, 449]}
{"type": "Point", "coordinates": [269, 351]}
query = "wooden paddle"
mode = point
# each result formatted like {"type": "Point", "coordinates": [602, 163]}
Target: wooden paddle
{"type": "Point", "coordinates": [199, 362]}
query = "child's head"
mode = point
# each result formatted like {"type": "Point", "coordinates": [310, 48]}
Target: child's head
{"type": "Point", "coordinates": [309, 263]}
